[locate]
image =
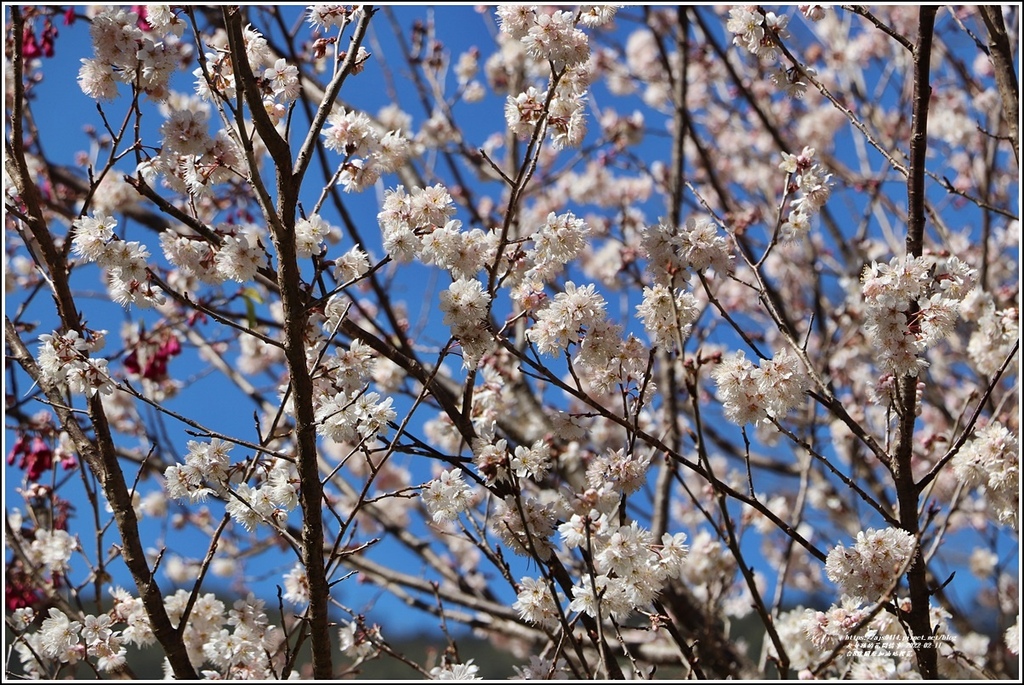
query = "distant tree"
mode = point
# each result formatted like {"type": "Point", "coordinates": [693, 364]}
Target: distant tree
{"type": "Point", "coordinates": [721, 317]}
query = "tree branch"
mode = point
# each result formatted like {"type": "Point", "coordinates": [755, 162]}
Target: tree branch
{"type": "Point", "coordinates": [918, 617]}
{"type": "Point", "coordinates": [1001, 54]}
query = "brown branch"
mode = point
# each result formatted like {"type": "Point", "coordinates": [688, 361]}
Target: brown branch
{"type": "Point", "coordinates": [853, 118]}
{"type": "Point", "coordinates": [918, 617]}
{"type": "Point", "coordinates": [860, 10]}
{"type": "Point", "coordinates": [99, 453]}
{"type": "Point", "coordinates": [968, 429]}
{"type": "Point", "coordinates": [101, 458]}
{"type": "Point", "coordinates": [248, 83]}
{"type": "Point", "coordinates": [729, 528]}
{"type": "Point", "coordinates": [294, 303]}
{"type": "Point", "coordinates": [1001, 54]}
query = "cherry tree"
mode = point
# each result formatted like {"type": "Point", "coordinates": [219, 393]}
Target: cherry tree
{"type": "Point", "coordinates": [599, 331]}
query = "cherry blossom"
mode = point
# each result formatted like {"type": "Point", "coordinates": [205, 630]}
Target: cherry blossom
{"type": "Point", "coordinates": [594, 329]}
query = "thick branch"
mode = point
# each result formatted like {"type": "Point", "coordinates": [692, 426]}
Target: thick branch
{"type": "Point", "coordinates": [1001, 54]}
{"type": "Point", "coordinates": [918, 618]}
{"type": "Point", "coordinates": [294, 301]}
{"type": "Point", "coordinates": [99, 455]}
{"type": "Point", "coordinates": [247, 81]}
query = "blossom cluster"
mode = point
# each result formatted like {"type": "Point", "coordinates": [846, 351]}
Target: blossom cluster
{"type": "Point", "coordinates": [326, 16]}
{"type": "Point", "coordinates": [567, 318]}
{"type": "Point", "coordinates": [248, 649]}
{"type": "Point", "coordinates": [491, 459]}
{"type": "Point", "coordinates": [997, 332]}
{"type": "Point", "coordinates": [353, 417]}
{"type": "Point", "coordinates": [815, 187]}
{"type": "Point", "coordinates": [631, 568]}
{"type": "Point", "coordinates": [455, 671]}
{"type": "Point", "coordinates": [792, 81]}
{"type": "Point", "coordinates": [367, 153]}
{"type": "Point", "coordinates": [346, 412]}
{"type": "Point", "coordinates": [667, 315]}
{"type": "Point", "coordinates": [191, 161]}
{"type": "Point", "coordinates": [526, 525]}
{"type": "Point", "coordinates": [860, 645]}
{"type": "Point", "coordinates": [270, 501]}
{"type": "Point", "coordinates": [406, 219]}
{"type": "Point", "coordinates": [232, 643]}
{"type": "Point", "coordinates": [139, 52]}
{"type": "Point", "coordinates": [239, 257]}
{"type": "Point", "coordinates": [417, 225]}
{"type": "Point", "coordinates": [1012, 637]}
{"type": "Point", "coordinates": [124, 261]}
{"type": "Point", "coordinates": [559, 240]}
{"type": "Point", "coordinates": [462, 253]}
{"type": "Point", "coordinates": [357, 641]}
{"type": "Point", "coordinates": [58, 638]}
{"type": "Point", "coordinates": [344, 370]}
{"type": "Point", "coordinates": [144, 52]}
{"type": "Point", "coordinates": [465, 308]}
{"type": "Point", "coordinates": [532, 462]}
{"type": "Point", "coordinates": [549, 36]}
{"type": "Point", "coordinates": [552, 36]}
{"type": "Point", "coordinates": [216, 75]}
{"type": "Point", "coordinates": [870, 569]}
{"type": "Point", "coordinates": [912, 303]}
{"type": "Point", "coordinates": [562, 112]}
{"type": "Point", "coordinates": [52, 550]}
{"type": "Point", "coordinates": [710, 573]}
{"type": "Point", "coordinates": [618, 472]}
{"type": "Point", "coordinates": [677, 252]}
{"type": "Point", "coordinates": [446, 496]}
{"type": "Point", "coordinates": [577, 317]}
{"type": "Point", "coordinates": [769, 390]}
{"type": "Point", "coordinates": [759, 32]}
{"type": "Point", "coordinates": [540, 668]}
{"type": "Point", "coordinates": [63, 360]}
{"type": "Point", "coordinates": [992, 461]}
{"type": "Point", "coordinates": [762, 33]}
{"type": "Point", "coordinates": [205, 464]}
{"type": "Point", "coordinates": [537, 603]}
{"type": "Point", "coordinates": [310, 233]}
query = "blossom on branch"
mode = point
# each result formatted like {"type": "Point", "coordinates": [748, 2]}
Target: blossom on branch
{"type": "Point", "coordinates": [992, 460]}
{"type": "Point", "coordinates": [446, 496]}
{"type": "Point", "coordinates": [870, 569]}
{"type": "Point", "coordinates": [752, 394]}
{"type": "Point", "coordinates": [909, 308]}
